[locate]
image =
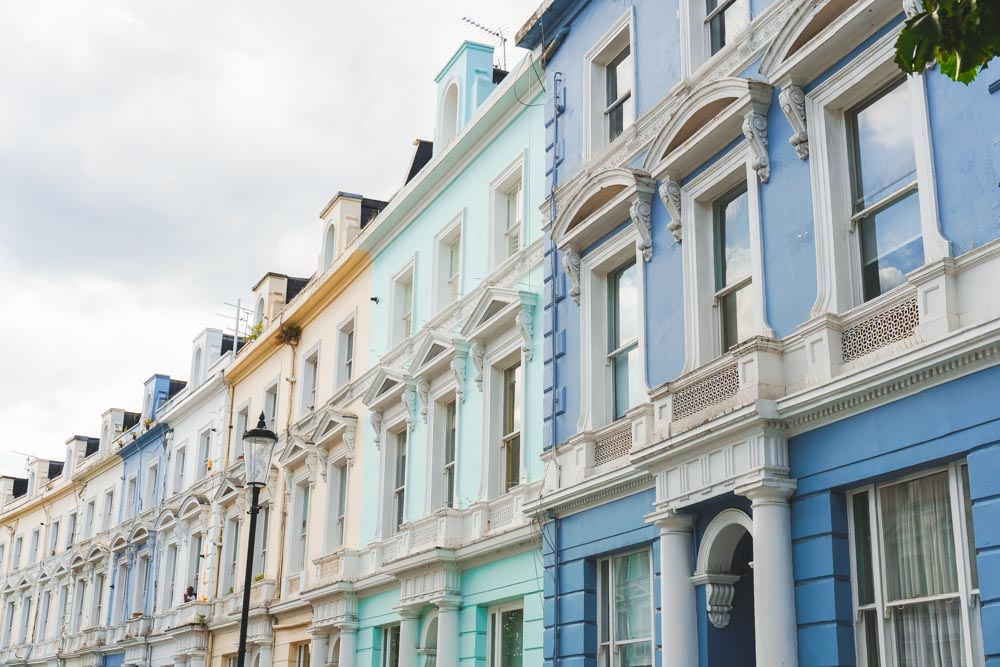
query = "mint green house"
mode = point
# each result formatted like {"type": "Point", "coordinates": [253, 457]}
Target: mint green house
{"type": "Point", "coordinates": [450, 567]}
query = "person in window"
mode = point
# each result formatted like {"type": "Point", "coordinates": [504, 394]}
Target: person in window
{"type": "Point", "coordinates": [190, 595]}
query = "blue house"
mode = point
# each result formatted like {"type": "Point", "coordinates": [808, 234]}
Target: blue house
{"type": "Point", "coordinates": [133, 546]}
{"type": "Point", "coordinates": [771, 339]}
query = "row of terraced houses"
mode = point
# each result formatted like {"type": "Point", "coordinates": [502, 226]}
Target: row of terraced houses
{"type": "Point", "coordinates": [679, 345]}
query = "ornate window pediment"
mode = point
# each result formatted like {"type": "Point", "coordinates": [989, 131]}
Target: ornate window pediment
{"type": "Point", "coordinates": [499, 310]}
{"type": "Point", "coordinates": [118, 544]}
{"type": "Point", "coordinates": [822, 32]}
{"type": "Point", "coordinates": [432, 351]}
{"type": "Point", "coordinates": [709, 119]}
{"type": "Point", "coordinates": [387, 386]}
{"type": "Point", "coordinates": [601, 204]}
{"type": "Point", "coordinates": [192, 507]}
{"type": "Point", "coordinates": [227, 492]}
{"type": "Point", "coordinates": [294, 452]}
{"type": "Point", "coordinates": [165, 521]}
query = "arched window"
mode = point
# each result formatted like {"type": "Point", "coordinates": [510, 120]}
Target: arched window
{"type": "Point", "coordinates": [147, 406]}
{"type": "Point", "coordinates": [258, 314]}
{"type": "Point", "coordinates": [329, 245]}
{"type": "Point", "coordinates": [449, 115]}
{"type": "Point", "coordinates": [196, 368]}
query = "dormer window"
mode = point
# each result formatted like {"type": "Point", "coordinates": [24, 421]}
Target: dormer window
{"type": "Point", "coordinates": [147, 407]}
{"type": "Point", "coordinates": [196, 368]}
{"type": "Point", "coordinates": [449, 115]}
{"type": "Point", "coordinates": [329, 246]}
{"type": "Point", "coordinates": [258, 313]}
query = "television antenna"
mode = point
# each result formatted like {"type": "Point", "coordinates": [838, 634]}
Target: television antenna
{"type": "Point", "coordinates": [495, 32]}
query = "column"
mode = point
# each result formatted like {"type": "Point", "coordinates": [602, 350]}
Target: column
{"type": "Point", "coordinates": [774, 586]}
{"type": "Point", "coordinates": [408, 619]}
{"type": "Point", "coordinates": [678, 606]}
{"type": "Point", "coordinates": [318, 648]}
{"type": "Point", "coordinates": [348, 643]}
{"type": "Point", "coordinates": [264, 652]}
{"type": "Point", "coordinates": [447, 639]}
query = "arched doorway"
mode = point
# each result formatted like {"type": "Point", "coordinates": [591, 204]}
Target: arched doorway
{"type": "Point", "coordinates": [725, 570]}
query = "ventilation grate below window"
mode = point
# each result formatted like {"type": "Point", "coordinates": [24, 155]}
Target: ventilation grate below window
{"type": "Point", "coordinates": [705, 393]}
{"type": "Point", "coordinates": [889, 326]}
{"type": "Point", "coordinates": [613, 446]}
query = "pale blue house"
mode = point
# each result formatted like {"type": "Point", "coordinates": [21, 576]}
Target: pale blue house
{"type": "Point", "coordinates": [771, 339]}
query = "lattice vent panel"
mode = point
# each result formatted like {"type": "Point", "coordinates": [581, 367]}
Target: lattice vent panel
{"type": "Point", "coordinates": [707, 392]}
{"type": "Point", "coordinates": [889, 326]}
{"type": "Point", "coordinates": [613, 446]}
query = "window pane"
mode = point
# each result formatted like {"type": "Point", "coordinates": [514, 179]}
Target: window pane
{"type": "Point", "coordinates": [624, 306]}
{"type": "Point", "coordinates": [626, 378]}
{"type": "Point", "coordinates": [918, 538]}
{"type": "Point", "coordinates": [929, 634]}
{"type": "Point", "coordinates": [605, 611]}
{"type": "Point", "coordinates": [512, 632]}
{"type": "Point", "coordinates": [619, 76]}
{"type": "Point", "coordinates": [633, 611]}
{"type": "Point", "coordinates": [969, 534]}
{"type": "Point", "coordinates": [891, 245]}
{"type": "Point", "coordinates": [512, 463]}
{"type": "Point", "coordinates": [869, 626]}
{"type": "Point", "coordinates": [637, 655]}
{"type": "Point", "coordinates": [882, 144]}
{"type": "Point", "coordinates": [732, 237]}
{"type": "Point", "coordinates": [863, 549]}
{"type": "Point", "coordinates": [737, 314]}
{"type": "Point", "coordinates": [512, 400]}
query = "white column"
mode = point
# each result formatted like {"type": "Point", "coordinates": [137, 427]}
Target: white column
{"type": "Point", "coordinates": [265, 655]}
{"type": "Point", "coordinates": [678, 606]}
{"type": "Point", "coordinates": [447, 639]}
{"type": "Point", "coordinates": [318, 648]}
{"type": "Point", "coordinates": [774, 585]}
{"type": "Point", "coordinates": [409, 618]}
{"type": "Point", "coordinates": [348, 643]}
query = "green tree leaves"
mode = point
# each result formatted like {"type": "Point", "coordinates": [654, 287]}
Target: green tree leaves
{"type": "Point", "coordinates": [961, 36]}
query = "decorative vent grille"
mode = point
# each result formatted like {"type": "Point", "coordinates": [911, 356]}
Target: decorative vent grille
{"type": "Point", "coordinates": [330, 570]}
{"type": "Point", "coordinates": [889, 326]}
{"type": "Point", "coordinates": [613, 446]}
{"type": "Point", "coordinates": [502, 514]}
{"type": "Point", "coordinates": [707, 392]}
{"type": "Point", "coordinates": [425, 534]}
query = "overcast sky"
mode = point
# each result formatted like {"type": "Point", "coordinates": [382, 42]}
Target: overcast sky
{"type": "Point", "coordinates": [156, 158]}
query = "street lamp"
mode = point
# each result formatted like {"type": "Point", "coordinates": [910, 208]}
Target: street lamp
{"type": "Point", "coordinates": [258, 445]}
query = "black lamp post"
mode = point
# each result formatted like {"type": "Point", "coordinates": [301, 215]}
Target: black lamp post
{"type": "Point", "coordinates": [258, 445]}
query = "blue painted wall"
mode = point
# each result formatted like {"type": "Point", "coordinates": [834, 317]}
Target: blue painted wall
{"type": "Point", "coordinates": [580, 540]}
{"type": "Point", "coordinates": [949, 422]}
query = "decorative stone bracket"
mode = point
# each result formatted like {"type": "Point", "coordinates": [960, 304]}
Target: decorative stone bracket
{"type": "Point", "coordinates": [410, 401]}
{"type": "Point", "coordinates": [377, 427]}
{"type": "Point", "coordinates": [478, 354]}
{"type": "Point", "coordinates": [571, 263]}
{"type": "Point", "coordinates": [670, 194]}
{"type": "Point", "coordinates": [755, 130]}
{"type": "Point", "coordinates": [524, 323]}
{"type": "Point", "coordinates": [719, 592]}
{"type": "Point", "coordinates": [424, 391]}
{"type": "Point", "coordinates": [457, 367]}
{"type": "Point", "coordinates": [641, 215]}
{"type": "Point", "coordinates": [792, 100]}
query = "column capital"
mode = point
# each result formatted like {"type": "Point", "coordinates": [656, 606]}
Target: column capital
{"type": "Point", "coordinates": [768, 491]}
{"type": "Point", "coordinates": [449, 603]}
{"type": "Point", "coordinates": [347, 627]}
{"type": "Point", "coordinates": [670, 521]}
{"type": "Point", "coordinates": [409, 611]}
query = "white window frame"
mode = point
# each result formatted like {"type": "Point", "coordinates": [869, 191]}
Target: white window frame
{"type": "Point", "coordinates": [77, 622]}
{"type": "Point", "coordinates": [703, 336]}
{"type": "Point", "coordinates": [302, 654]}
{"type": "Point", "coordinates": [26, 599]}
{"type": "Point", "coordinates": [514, 175]}
{"type": "Point", "coordinates": [298, 545]}
{"type": "Point", "coordinates": [493, 638]}
{"type": "Point", "coordinates": [170, 553]}
{"type": "Point", "coordinates": [131, 501]}
{"type": "Point", "coordinates": [448, 286]}
{"type": "Point", "coordinates": [36, 540]}
{"type": "Point", "coordinates": [443, 392]}
{"type": "Point", "coordinates": [143, 567]}
{"type": "Point", "coordinates": [387, 630]}
{"type": "Point", "coordinates": [44, 611]}
{"type": "Point", "coordinates": [600, 603]}
{"type": "Point", "coordinates": [271, 389]}
{"type": "Point", "coordinates": [180, 461]}
{"type": "Point", "coordinates": [310, 380]}
{"type": "Point", "coordinates": [242, 414]}
{"type": "Point", "coordinates": [89, 517]}
{"type": "Point", "coordinates": [969, 600]}
{"type": "Point", "coordinates": [504, 354]}
{"type": "Point", "coordinates": [595, 371]}
{"type": "Point", "coordinates": [260, 558]}
{"type": "Point", "coordinates": [393, 432]}
{"type": "Point", "coordinates": [696, 41]}
{"type": "Point", "coordinates": [837, 248]}
{"type": "Point", "coordinates": [53, 539]}
{"type": "Point", "coordinates": [337, 500]}
{"type": "Point", "coordinates": [152, 481]}
{"type": "Point", "coordinates": [203, 464]}
{"type": "Point", "coordinates": [400, 312]}
{"type": "Point", "coordinates": [231, 543]}
{"type": "Point", "coordinates": [329, 250]}
{"type": "Point", "coordinates": [595, 136]}
{"type": "Point", "coordinates": [347, 344]}
{"type": "Point", "coordinates": [97, 600]}
{"type": "Point", "coordinates": [70, 529]}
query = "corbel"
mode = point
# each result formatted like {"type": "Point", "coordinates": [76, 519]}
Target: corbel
{"type": "Point", "coordinates": [409, 401]}
{"type": "Point", "coordinates": [670, 195]}
{"type": "Point", "coordinates": [457, 367]}
{"type": "Point", "coordinates": [424, 392]}
{"type": "Point", "coordinates": [793, 104]}
{"type": "Point", "coordinates": [571, 264]}
{"type": "Point", "coordinates": [755, 130]}
{"type": "Point", "coordinates": [641, 215]}
{"type": "Point", "coordinates": [376, 416]}
{"type": "Point", "coordinates": [478, 354]}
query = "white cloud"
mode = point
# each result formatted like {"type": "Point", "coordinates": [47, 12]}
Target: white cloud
{"type": "Point", "coordinates": [156, 159]}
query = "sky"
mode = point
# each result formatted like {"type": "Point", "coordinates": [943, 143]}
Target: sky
{"type": "Point", "coordinates": [157, 158]}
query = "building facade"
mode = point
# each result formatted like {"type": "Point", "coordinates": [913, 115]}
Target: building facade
{"type": "Point", "coordinates": [677, 346]}
{"type": "Point", "coordinates": [768, 331]}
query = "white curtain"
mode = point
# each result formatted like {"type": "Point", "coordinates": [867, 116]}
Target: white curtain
{"type": "Point", "coordinates": [920, 562]}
